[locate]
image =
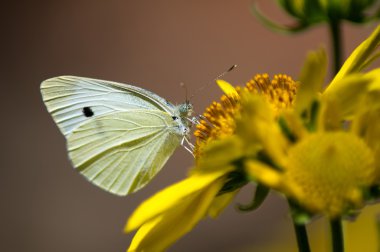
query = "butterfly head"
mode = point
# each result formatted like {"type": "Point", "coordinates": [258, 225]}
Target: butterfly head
{"type": "Point", "coordinates": [185, 109]}
{"type": "Point", "coordinates": [183, 112]}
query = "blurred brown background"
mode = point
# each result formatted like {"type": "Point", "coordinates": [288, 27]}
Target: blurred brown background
{"type": "Point", "coordinates": [46, 205]}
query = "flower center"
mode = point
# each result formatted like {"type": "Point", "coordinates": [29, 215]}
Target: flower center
{"type": "Point", "coordinates": [218, 122]}
{"type": "Point", "coordinates": [329, 170]}
{"type": "Point", "coordinates": [220, 117]}
{"type": "Point", "coordinates": [280, 91]}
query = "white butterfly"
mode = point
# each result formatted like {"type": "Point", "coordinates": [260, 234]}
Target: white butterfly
{"type": "Point", "coordinates": [118, 136]}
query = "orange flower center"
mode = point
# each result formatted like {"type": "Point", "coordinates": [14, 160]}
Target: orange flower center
{"type": "Point", "coordinates": [219, 119]}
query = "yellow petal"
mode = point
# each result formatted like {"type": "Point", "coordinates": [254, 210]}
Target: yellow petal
{"type": "Point", "coordinates": [227, 88]}
{"type": "Point", "coordinates": [143, 232]}
{"type": "Point", "coordinates": [375, 76]}
{"type": "Point", "coordinates": [348, 92]}
{"type": "Point", "coordinates": [312, 78]}
{"type": "Point", "coordinates": [165, 229]}
{"type": "Point", "coordinates": [220, 153]}
{"type": "Point", "coordinates": [358, 57]}
{"type": "Point", "coordinates": [263, 173]}
{"type": "Point", "coordinates": [220, 203]}
{"type": "Point", "coordinates": [294, 124]}
{"type": "Point", "coordinates": [258, 125]}
{"type": "Point", "coordinates": [366, 125]}
{"type": "Point", "coordinates": [363, 233]}
{"type": "Point", "coordinates": [370, 60]}
{"type": "Point", "coordinates": [328, 118]}
{"type": "Point", "coordinates": [272, 178]}
{"type": "Point", "coordinates": [171, 197]}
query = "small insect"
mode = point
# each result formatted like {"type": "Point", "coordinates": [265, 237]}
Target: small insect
{"type": "Point", "coordinates": [118, 136]}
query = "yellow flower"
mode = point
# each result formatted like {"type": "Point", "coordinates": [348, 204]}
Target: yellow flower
{"type": "Point", "coordinates": [324, 164]}
{"type": "Point", "coordinates": [286, 138]}
{"type": "Point", "coordinates": [213, 183]}
{"type": "Point", "coordinates": [216, 179]}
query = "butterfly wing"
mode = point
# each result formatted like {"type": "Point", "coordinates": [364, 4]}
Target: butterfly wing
{"type": "Point", "coordinates": [119, 136]}
{"type": "Point", "coordinates": [122, 151]}
{"type": "Point", "coordinates": [73, 100]}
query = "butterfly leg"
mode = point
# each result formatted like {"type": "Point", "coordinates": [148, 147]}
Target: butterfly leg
{"type": "Point", "coordinates": [185, 139]}
{"type": "Point", "coordinates": [195, 119]}
{"type": "Point", "coordinates": [189, 148]}
{"type": "Point", "coordinates": [190, 151]}
{"type": "Point", "coordinates": [189, 143]}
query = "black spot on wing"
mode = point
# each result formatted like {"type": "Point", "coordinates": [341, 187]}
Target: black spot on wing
{"type": "Point", "coordinates": [174, 118]}
{"type": "Point", "coordinates": [87, 112]}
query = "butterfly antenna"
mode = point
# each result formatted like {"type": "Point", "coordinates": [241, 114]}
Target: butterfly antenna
{"type": "Point", "coordinates": [218, 77]}
{"type": "Point", "coordinates": [185, 87]}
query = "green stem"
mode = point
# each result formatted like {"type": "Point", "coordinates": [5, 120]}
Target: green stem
{"type": "Point", "coordinates": [337, 48]}
{"type": "Point", "coordinates": [336, 39]}
{"type": "Point", "coordinates": [302, 240]}
{"type": "Point", "coordinates": [299, 229]}
{"type": "Point", "coordinates": [337, 235]}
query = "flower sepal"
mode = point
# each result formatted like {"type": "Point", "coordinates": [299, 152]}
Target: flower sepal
{"type": "Point", "coordinates": [372, 194]}
{"type": "Point", "coordinates": [219, 153]}
{"type": "Point", "coordinates": [259, 196]}
{"type": "Point", "coordinates": [235, 180]}
{"type": "Point", "coordinates": [299, 214]}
